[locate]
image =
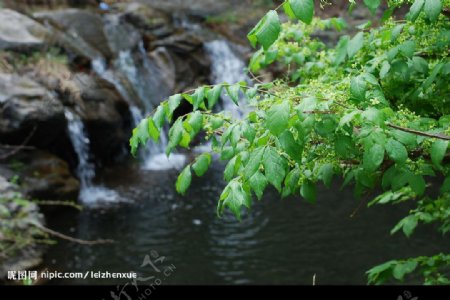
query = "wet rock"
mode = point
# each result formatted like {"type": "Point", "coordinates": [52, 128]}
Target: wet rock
{"type": "Point", "coordinates": [105, 114]}
{"type": "Point", "coordinates": [45, 176]}
{"type": "Point", "coordinates": [19, 32]}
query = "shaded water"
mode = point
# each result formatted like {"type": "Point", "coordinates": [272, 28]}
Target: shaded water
{"type": "Point", "coordinates": [280, 241]}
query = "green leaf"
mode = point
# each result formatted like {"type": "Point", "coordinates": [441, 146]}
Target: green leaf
{"type": "Point", "coordinates": [417, 184]}
{"type": "Point", "coordinates": [407, 48]}
{"type": "Point", "coordinates": [266, 31]}
{"type": "Point", "coordinates": [358, 87]}
{"type": "Point", "coordinates": [274, 167]}
{"type": "Point", "coordinates": [172, 104]}
{"type": "Point", "coordinates": [373, 157]}
{"type": "Point", "coordinates": [197, 97]}
{"type": "Point", "coordinates": [288, 11]}
{"type": "Point", "coordinates": [249, 132]}
{"type": "Point", "coordinates": [409, 224]}
{"type": "Point", "coordinates": [415, 10]}
{"type": "Point", "coordinates": [175, 135]}
{"type": "Point", "coordinates": [341, 50]}
{"type": "Point", "coordinates": [355, 44]}
{"type": "Point", "coordinates": [292, 148]}
{"type": "Point", "coordinates": [140, 136]}
{"type": "Point", "coordinates": [432, 9]}
{"type": "Point", "coordinates": [372, 5]}
{"type": "Point", "coordinates": [213, 95]}
{"type": "Point", "coordinates": [303, 10]}
{"type": "Point", "coordinates": [277, 118]}
{"type": "Point", "coordinates": [445, 188]}
{"type": "Point", "coordinates": [233, 92]}
{"type": "Point", "coordinates": [406, 138]}
{"type": "Point", "coordinates": [308, 191]}
{"type": "Point", "coordinates": [215, 122]}
{"type": "Point", "coordinates": [234, 197]}
{"type": "Point", "coordinates": [437, 68]}
{"type": "Point", "coordinates": [255, 160]}
{"type": "Point", "coordinates": [385, 67]}
{"type": "Point", "coordinates": [374, 116]}
{"type": "Point", "coordinates": [159, 117]}
{"type": "Point", "coordinates": [380, 273]}
{"type": "Point", "coordinates": [201, 164]}
{"type": "Point", "coordinates": [401, 269]}
{"type": "Point", "coordinates": [258, 183]}
{"type": "Point", "coordinates": [184, 180]}
{"type": "Point", "coordinates": [196, 121]}
{"type": "Point", "coordinates": [438, 151]}
{"type": "Point", "coordinates": [347, 118]}
{"type": "Point", "coordinates": [326, 172]}
{"type": "Point", "coordinates": [420, 64]}
{"type": "Point", "coordinates": [396, 151]}
{"type": "Point", "coordinates": [326, 126]}
{"type": "Point", "coordinates": [231, 168]}
{"type": "Point", "coordinates": [153, 130]}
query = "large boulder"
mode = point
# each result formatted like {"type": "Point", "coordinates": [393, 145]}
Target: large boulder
{"type": "Point", "coordinates": [77, 30]}
{"type": "Point", "coordinates": [91, 35]}
{"type": "Point", "coordinates": [19, 32]}
{"type": "Point", "coordinates": [30, 113]}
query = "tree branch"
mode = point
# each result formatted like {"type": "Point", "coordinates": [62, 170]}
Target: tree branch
{"type": "Point", "coordinates": [417, 132]}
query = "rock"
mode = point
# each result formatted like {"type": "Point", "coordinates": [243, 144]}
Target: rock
{"type": "Point", "coordinates": [45, 176]}
{"type": "Point", "coordinates": [121, 36]}
{"type": "Point", "coordinates": [76, 30]}
{"type": "Point", "coordinates": [19, 32]}
{"type": "Point", "coordinates": [183, 42]}
{"type": "Point", "coordinates": [27, 109]}
{"type": "Point", "coordinates": [151, 22]}
{"type": "Point", "coordinates": [89, 34]}
{"type": "Point", "coordinates": [105, 115]}
{"type": "Point", "coordinates": [195, 7]}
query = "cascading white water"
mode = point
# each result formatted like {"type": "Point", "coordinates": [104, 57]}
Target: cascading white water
{"type": "Point", "coordinates": [226, 66]}
{"type": "Point", "coordinates": [152, 155]}
{"type": "Point", "coordinates": [89, 193]}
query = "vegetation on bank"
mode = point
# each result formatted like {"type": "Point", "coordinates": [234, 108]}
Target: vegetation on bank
{"type": "Point", "coordinates": [373, 110]}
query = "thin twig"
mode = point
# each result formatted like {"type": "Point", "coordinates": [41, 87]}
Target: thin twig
{"type": "Point", "coordinates": [21, 146]}
{"type": "Point", "coordinates": [69, 238]}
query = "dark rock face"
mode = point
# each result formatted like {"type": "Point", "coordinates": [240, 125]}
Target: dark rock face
{"type": "Point", "coordinates": [106, 116]}
{"type": "Point", "coordinates": [28, 109]}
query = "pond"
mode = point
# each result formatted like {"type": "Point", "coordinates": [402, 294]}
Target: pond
{"type": "Point", "coordinates": [280, 241]}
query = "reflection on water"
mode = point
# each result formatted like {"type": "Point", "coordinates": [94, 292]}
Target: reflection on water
{"type": "Point", "coordinates": [280, 241]}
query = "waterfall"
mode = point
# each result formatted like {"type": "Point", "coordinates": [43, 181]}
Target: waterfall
{"type": "Point", "coordinates": [226, 66]}
{"type": "Point", "coordinates": [89, 193]}
{"type": "Point", "coordinates": [134, 83]}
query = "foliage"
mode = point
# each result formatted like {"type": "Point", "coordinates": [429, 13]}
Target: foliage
{"type": "Point", "coordinates": [373, 110]}
{"type": "Point", "coordinates": [17, 229]}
